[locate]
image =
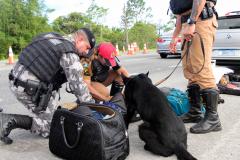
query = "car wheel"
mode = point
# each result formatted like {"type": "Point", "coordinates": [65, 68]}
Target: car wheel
{"type": "Point", "coordinates": [163, 55]}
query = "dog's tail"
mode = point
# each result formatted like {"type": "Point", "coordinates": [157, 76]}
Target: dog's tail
{"type": "Point", "coordinates": [182, 153]}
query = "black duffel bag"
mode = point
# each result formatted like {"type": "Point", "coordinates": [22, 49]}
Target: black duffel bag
{"type": "Point", "coordinates": [180, 6]}
{"type": "Point", "coordinates": [79, 135]}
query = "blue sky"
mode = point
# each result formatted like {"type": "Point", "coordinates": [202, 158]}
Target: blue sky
{"type": "Point", "coordinates": [159, 9]}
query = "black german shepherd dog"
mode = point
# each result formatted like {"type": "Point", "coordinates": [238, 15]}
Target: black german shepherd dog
{"type": "Point", "coordinates": [162, 131]}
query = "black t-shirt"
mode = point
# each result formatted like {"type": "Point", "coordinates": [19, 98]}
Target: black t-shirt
{"type": "Point", "coordinates": [118, 66]}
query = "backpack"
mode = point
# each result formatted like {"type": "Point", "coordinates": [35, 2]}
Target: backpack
{"type": "Point", "coordinates": [178, 100]}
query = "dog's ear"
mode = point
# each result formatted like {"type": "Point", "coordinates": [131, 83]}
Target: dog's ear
{"type": "Point", "coordinates": [125, 79]}
{"type": "Point", "coordinates": [147, 73]}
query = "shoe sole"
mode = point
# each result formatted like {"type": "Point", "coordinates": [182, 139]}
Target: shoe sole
{"type": "Point", "coordinates": [217, 128]}
{"type": "Point", "coordinates": [5, 140]}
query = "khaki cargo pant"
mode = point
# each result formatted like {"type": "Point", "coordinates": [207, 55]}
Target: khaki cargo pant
{"type": "Point", "coordinates": [205, 79]}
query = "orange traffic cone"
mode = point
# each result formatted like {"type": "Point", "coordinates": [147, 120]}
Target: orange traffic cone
{"type": "Point", "coordinates": [10, 56]}
{"type": "Point", "coordinates": [117, 50]}
{"type": "Point", "coordinates": [145, 48]}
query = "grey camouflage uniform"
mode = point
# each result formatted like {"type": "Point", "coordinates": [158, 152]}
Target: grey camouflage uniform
{"type": "Point", "coordinates": [73, 69]}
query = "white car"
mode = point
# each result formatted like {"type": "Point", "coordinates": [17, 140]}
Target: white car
{"type": "Point", "coordinates": [163, 43]}
{"type": "Point", "coordinates": [226, 49]}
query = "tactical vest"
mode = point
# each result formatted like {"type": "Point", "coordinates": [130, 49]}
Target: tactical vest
{"type": "Point", "coordinates": [42, 57]}
{"type": "Point", "coordinates": [181, 6]}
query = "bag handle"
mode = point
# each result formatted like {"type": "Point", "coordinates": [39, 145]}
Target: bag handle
{"type": "Point", "coordinates": [79, 128]}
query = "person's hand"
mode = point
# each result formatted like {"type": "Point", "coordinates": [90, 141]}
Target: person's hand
{"type": "Point", "coordinates": [173, 45]}
{"type": "Point", "coordinates": [188, 32]}
{"type": "Point", "coordinates": [108, 98]}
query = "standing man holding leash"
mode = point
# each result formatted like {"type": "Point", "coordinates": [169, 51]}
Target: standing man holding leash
{"type": "Point", "coordinates": [198, 16]}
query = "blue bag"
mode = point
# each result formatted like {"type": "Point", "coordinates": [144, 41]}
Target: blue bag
{"type": "Point", "coordinates": [179, 101]}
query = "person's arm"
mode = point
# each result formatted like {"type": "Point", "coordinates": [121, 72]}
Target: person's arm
{"type": "Point", "coordinates": [123, 71]}
{"type": "Point", "coordinates": [178, 27]}
{"type": "Point", "coordinates": [177, 30]}
{"type": "Point", "coordinates": [120, 69]}
{"type": "Point", "coordinates": [95, 93]}
{"type": "Point", "coordinates": [195, 12]}
{"type": "Point", "coordinates": [197, 9]}
{"type": "Point", "coordinates": [73, 70]}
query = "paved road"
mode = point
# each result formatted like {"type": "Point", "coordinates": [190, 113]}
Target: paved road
{"type": "Point", "coordinates": [224, 145]}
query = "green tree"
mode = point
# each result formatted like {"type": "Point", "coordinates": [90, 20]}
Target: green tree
{"type": "Point", "coordinates": [20, 21]}
{"type": "Point", "coordinates": [97, 15]}
{"type": "Point", "coordinates": [115, 36]}
{"type": "Point", "coordinates": [134, 11]}
{"type": "Point", "coordinates": [143, 33]}
{"type": "Point", "coordinates": [95, 12]}
{"type": "Point", "coordinates": [126, 20]}
{"type": "Point", "coordinates": [139, 11]}
{"type": "Point", "coordinates": [70, 23]}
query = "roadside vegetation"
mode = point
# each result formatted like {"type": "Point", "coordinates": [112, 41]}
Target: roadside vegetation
{"type": "Point", "coordinates": [21, 20]}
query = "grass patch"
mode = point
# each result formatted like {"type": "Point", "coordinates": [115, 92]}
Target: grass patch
{"type": "Point", "coordinates": [4, 56]}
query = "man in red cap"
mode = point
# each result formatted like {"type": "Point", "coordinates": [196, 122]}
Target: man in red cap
{"type": "Point", "coordinates": [105, 70]}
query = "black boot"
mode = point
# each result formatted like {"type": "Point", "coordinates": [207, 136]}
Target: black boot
{"type": "Point", "coordinates": [9, 122]}
{"type": "Point", "coordinates": [211, 120]}
{"type": "Point", "coordinates": [115, 88]}
{"type": "Point", "coordinates": [195, 114]}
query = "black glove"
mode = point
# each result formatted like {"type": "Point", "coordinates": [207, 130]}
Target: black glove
{"type": "Point", "coordinates": [116, 88]}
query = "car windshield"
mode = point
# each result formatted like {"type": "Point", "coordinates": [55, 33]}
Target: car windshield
{"type": "Point", "coordinates": [232, 23]}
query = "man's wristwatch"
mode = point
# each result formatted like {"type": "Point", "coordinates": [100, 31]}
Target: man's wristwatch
{"type": "Point", "coordinates": [191, 21]}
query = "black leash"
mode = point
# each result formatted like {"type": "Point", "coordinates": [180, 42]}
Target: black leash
{"type": "Point", "coordinates": [189, 43]}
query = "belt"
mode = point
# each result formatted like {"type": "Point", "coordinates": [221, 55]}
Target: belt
{"type": "Point", "coordinates": [17, 82]}
{"type": "Point", "coordinates": [40, 92]}
{"type": "Point", "coordinates": [208, 5]}
{"type": "Point", "coordinates": [30, 86]}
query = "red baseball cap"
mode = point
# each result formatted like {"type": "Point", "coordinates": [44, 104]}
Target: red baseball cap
{"type": "Point", "coordinates": [108, 52]}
